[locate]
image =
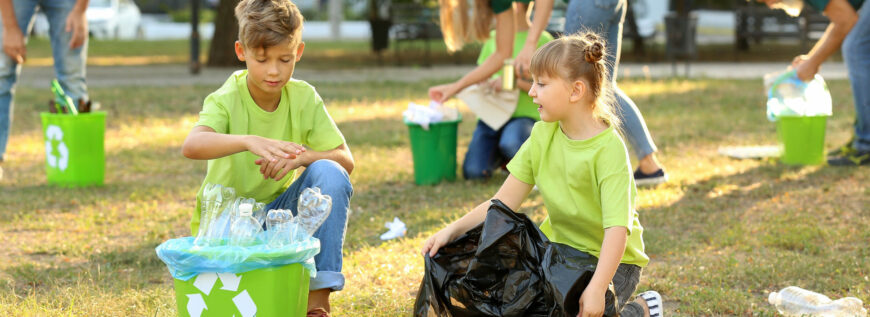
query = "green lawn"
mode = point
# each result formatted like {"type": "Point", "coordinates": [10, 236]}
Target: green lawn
{"type": "Point", "coordinates": [721, 235]}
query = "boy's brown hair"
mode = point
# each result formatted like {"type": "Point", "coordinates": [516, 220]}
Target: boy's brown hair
{"type": "Point", "coordinates": [265, 23]}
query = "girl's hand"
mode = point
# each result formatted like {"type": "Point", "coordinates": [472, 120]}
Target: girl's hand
{"type": "Point", "coordinates": [443, 92]}
{"type": "Point", "coordinates": [494, 84]}
{"type": "Point", "coordinates": [272, 150]}
{"type": "Point", "coordinates": [438, 240]}
{"type": "Point", "coordinates": [592, 302]}
{"type": "Point", "coordinates": [523, 62]}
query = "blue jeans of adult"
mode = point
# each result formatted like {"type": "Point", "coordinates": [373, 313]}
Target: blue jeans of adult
{"type": "Point", "coordinates": [490, 148]}
{"type": "Point", "coordinates": [856, 53]}
{"type": "Point", "coordinates": [333, 181]}
{"type": "Point", "coordinates": [69, 64]}
{"type": "Point", "coordinates": [605, 17]}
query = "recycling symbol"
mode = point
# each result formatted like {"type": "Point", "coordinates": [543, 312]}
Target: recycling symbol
{"type": "Point", "coordinates": [205, 283]}
{"type": "Point", "coordinates": [61, 161]}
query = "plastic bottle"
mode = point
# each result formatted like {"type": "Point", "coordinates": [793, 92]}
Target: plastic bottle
{"type": "Point", "coordinates": [312, 210]}
{"type": "Point", "coordinates": [245, 229]}
{"type": "Point", "coordinates": [795, 301]}
{"type": "Point", "coordinates": [278, 227]}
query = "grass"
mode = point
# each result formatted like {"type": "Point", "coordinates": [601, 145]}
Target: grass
{"type": "Point", "coordinates": [721, 235]}
{"type": "Point", "coordinates": [354, 53]}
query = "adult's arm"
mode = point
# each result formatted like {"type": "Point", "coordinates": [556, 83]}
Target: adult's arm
{"type": "Point", "coordinates": [77, 23]}
{"type": "Point", "coordinates": [843, 17]}
{"type": "Point", "coordinates": [504, 49]}
{"type": "Point", "coordinates": [13, 38]}
{"type": "Point", "coordinates": [543, 10]}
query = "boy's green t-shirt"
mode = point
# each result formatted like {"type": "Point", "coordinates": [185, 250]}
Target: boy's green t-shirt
{"type": "Point", "coordinates": [587, 187]}
{"type": "Point", "coordinates": [301, 117]}
{"type": "Point", "coordinates": [525, 107]}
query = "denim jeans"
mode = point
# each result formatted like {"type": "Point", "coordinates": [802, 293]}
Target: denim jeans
{"type": "Point", "coordinates": [333, 181]}
{"type": "Point", "coordinates": [856, 53]}
{"type": "Point", "coordinates": [605, 17]}
{"type": "Point", "coordinates": [69, 64]}
{"type": "Point", "coordinates": [625, 283]}
{"type": "Point", "coordinates": [490, 148]}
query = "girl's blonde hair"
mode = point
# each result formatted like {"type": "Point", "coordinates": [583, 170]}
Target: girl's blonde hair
{"type": "Point", "coordinates": [458, 28]}
{"type": "Point", "coordinates": [580, 56]}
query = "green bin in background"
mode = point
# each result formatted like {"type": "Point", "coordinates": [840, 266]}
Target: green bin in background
{"type": "Point", "coordinates": [434, 151]}
{"type": "Point", "coordinates": [274, 291]}
{"type": "Point", "coordinates": [803, 139]}
{"type": "Point", "coordinates": [74, 148]}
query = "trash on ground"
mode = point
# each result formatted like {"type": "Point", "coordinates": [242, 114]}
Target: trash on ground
{"type": "Point", "coordinates": [396, 229]}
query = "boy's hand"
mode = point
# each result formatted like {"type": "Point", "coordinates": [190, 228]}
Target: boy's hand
{"type": "Point", "coordinates": [592, 302]}
{"type": "Point", "coordinates": [272, 150]}
{"type": "Point", "coordinates": [277, 169]}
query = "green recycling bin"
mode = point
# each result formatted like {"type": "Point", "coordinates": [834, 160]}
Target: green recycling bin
{"type": "Point", "coordinates": [74, 148]}
{"type": "Point", "coordinates": [802, 138]}
{"type": "Point", "coordinates": [434, 151]}
{"type": "Point", "coordinates": [275, 291]}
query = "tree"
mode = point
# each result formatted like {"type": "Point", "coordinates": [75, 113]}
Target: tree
{"type": "Point", "coordinates": [226, 32]}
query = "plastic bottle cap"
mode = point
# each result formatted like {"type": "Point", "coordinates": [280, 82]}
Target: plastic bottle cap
{"type": "Point", "coordinates": [773, 298]}
{"type": "Point", "coordinates": [245, 210]}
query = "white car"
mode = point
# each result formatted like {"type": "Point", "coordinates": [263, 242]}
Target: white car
{"type": "Point", "coordinates": [107, 19]}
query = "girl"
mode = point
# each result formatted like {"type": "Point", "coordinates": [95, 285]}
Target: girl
{"type": "Point", "coordinates": [581, 166]}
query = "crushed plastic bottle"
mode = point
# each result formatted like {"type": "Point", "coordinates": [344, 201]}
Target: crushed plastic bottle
{"type": "Point", "coordinates": [312, 210]}
{"type": "Point", "coordinates": [795, 301]}
{"type": "Point", "coordinates": [245, 228]}
{"type": "Point", "coordinates": [278, 227]}
{"type": "Point", "coordinates": [215, 199]}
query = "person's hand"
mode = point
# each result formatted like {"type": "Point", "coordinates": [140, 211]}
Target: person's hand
{"type": "Point", "coordinates": [443, 92]}
{"type": "Point", "coordinates": [272, 150]}
{"type": "Point", "coordinates": [592, 302]}
{"type": "Point", "coordinates": [494, 84]}
{"type": "Point", "coordinates": [13, 44]}
{"type": "Point", "coordinates": [804, 68]}
{"type": "Point", "coordinates": [78, 25]}
{"type": "Point", "coordinates": [277, 169]}
{"type": "Point", "coordinates": [436, 241]}
{"type": "Point", "coordinates": [523, 62]}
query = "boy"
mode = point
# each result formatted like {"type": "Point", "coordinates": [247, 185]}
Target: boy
{"type": "Point", "coordinates": [262, 125]}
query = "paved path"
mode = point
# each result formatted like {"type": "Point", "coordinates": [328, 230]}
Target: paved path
{"type": "Point", "coordinates": [175, 75]}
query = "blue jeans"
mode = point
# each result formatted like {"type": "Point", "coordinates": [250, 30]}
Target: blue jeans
{"type": "Point", "coordinates": [605, 17]}
{"type": "Point", "coordinates": [490, 148]}
{"type": "Point", "coordinates": [333, 181]}
{"type": "Point", "coordinates": [69, 64]}
{"type": "Point", "coordinates": [856, 53]}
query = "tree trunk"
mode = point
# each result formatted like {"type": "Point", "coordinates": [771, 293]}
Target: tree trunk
{"type": "Point", "coordinates": [226, 32]}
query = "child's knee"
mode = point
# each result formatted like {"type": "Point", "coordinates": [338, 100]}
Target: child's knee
{"type": "Point", "coordinates": [330, 174]}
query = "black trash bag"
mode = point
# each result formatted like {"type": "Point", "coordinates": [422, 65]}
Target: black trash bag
{"type": "Point", "coordinates": [506, 267]}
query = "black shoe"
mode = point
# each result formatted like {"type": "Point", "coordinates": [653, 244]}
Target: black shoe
{"type": "Point", "coordinates": [846, 149]}
{"type": "Point", "coordinates": [856, 158]}
{"type": "Point", "coordinates": [657, 177]}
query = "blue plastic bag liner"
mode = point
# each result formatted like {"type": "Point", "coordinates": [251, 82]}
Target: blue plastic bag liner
{"type": "Point", "coordinates": [787, 95]}
{"type": "Point", "coordinates": [185, 260]}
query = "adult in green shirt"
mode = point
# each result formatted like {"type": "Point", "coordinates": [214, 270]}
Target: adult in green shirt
{"type": "Point", "coordinates": [489, 148]}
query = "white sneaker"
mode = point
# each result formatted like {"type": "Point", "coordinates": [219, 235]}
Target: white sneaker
{"type": "Point", "coordinates": [654, 303]}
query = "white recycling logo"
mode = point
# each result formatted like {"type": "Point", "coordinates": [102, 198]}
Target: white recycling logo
{"type": "Point", "coordinates": [205, 283]}
{"type": "Point", "coordinates": [54, 133]}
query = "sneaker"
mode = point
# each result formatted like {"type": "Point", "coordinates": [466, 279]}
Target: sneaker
{"type": "Point", "coordinates": [654, 303]}
{"type": "Point", "coordinates": [317, 312]}
{"type": "Point", "coordinates": [855, 158]}
{"type": "Point", "coordinates": [846, 149]}
{"type": "Point", "coordinates": [658, 177]}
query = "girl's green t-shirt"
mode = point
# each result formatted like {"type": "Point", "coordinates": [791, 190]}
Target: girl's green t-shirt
{"type": "Point", "coordinates": [301, 117]}
{"type": "Point", "coordinates": [587, 186]}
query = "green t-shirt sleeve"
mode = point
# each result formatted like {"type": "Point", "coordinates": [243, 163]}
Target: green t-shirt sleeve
{"type": "Point", "coordinates": [615, 189]}
{"type": "Point", "coordinates": [214, 115]}
{"type": "Point", "coordinates": [323, 134]}
{"type": "Point", "coordinates": [521, 165]}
